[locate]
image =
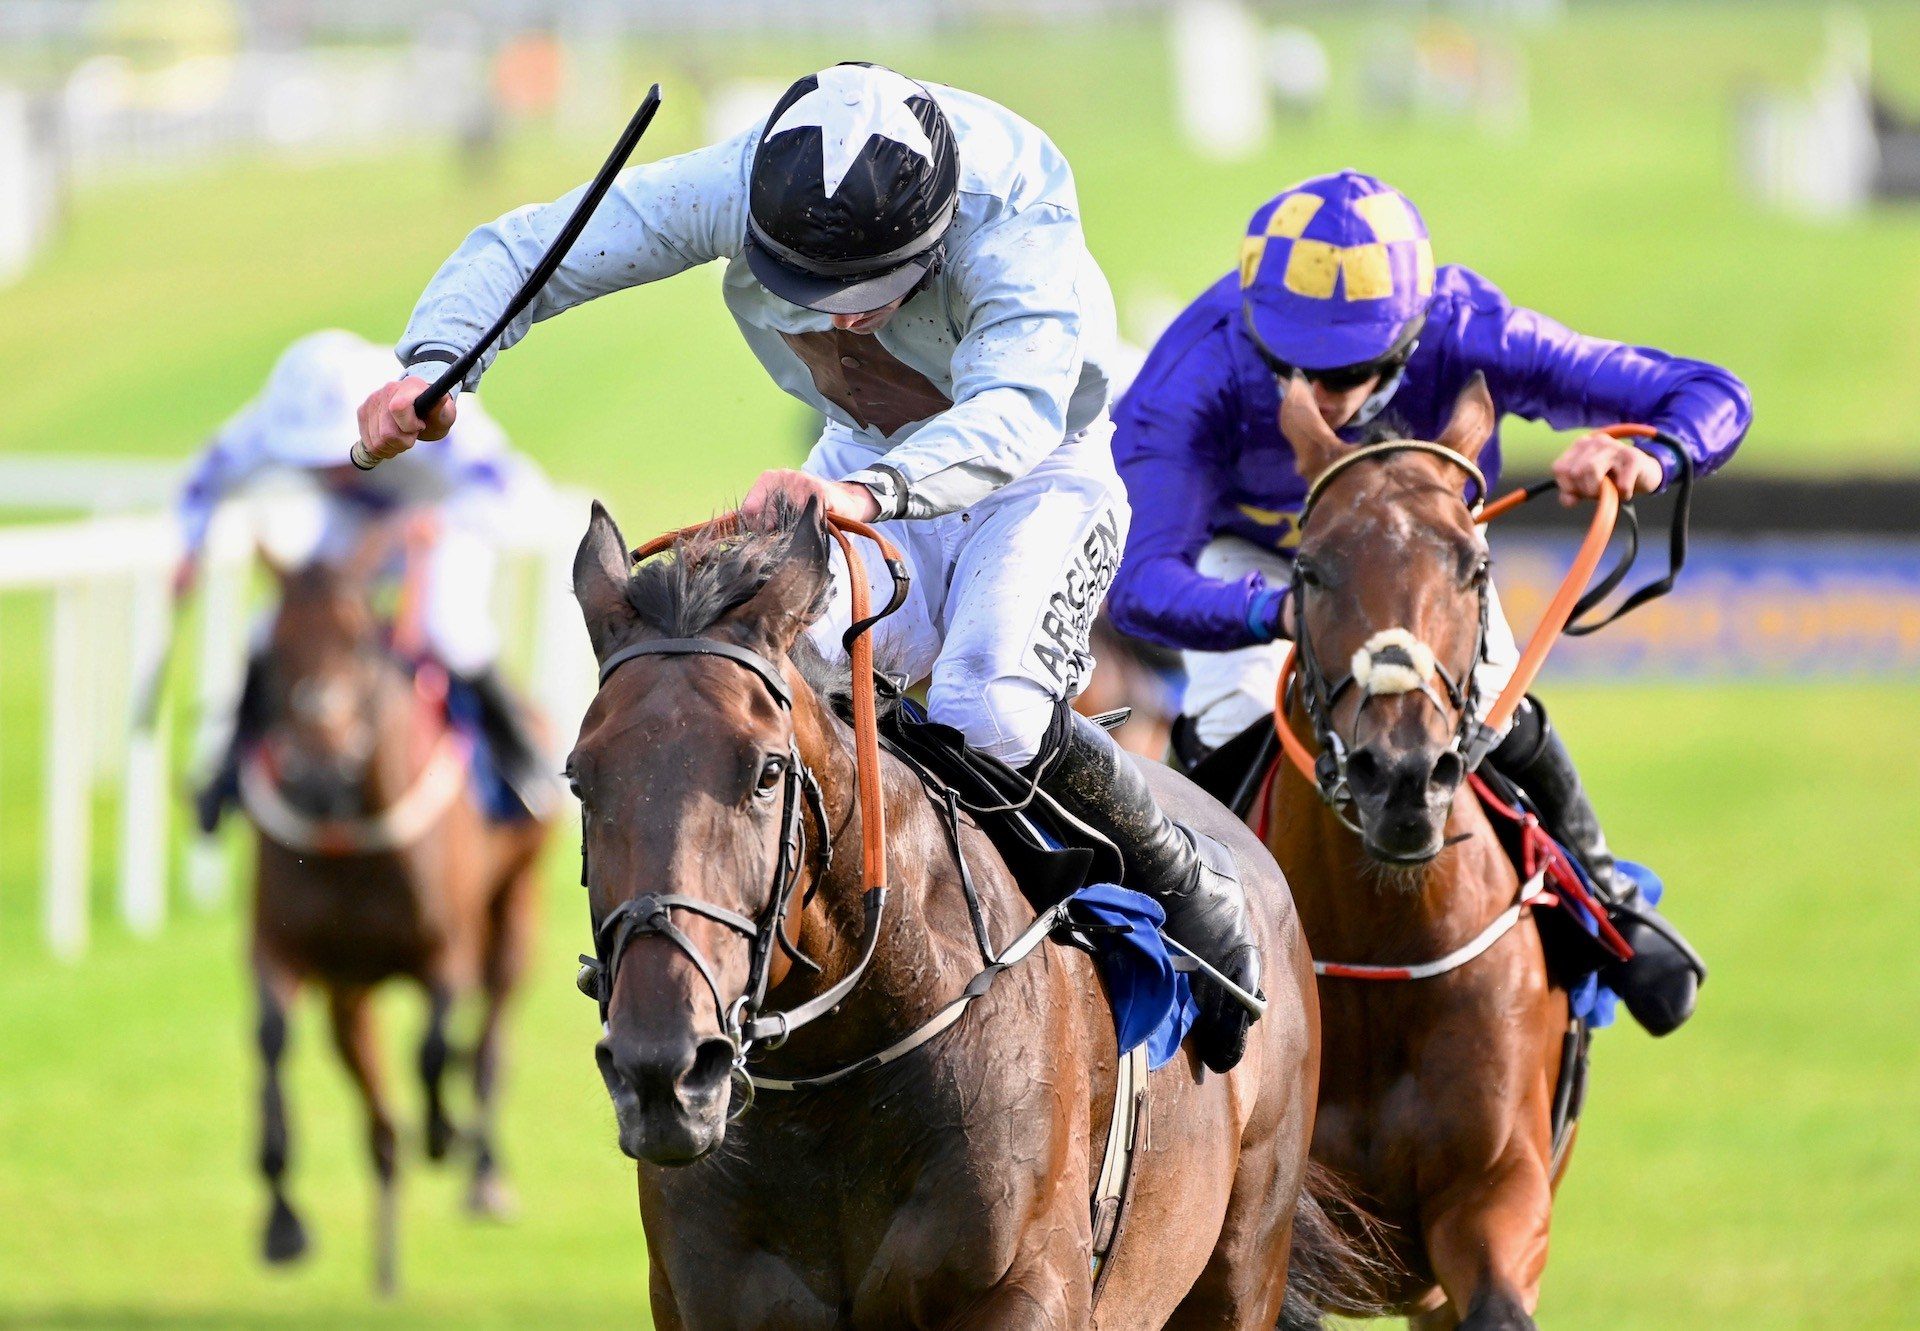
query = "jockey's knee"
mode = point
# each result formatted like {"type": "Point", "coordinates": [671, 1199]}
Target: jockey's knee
{"type": "Point", "coordinates": [1007, 716]}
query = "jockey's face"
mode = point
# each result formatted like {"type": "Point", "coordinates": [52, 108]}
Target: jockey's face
{"type": "Point", "coordinates": [872, 321]}
{"type": "Point", "coordinates": [1337, 407]}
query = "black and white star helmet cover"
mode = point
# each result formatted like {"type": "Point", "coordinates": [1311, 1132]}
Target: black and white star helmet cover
{"type": "Point", "coordinates": [854, 184]}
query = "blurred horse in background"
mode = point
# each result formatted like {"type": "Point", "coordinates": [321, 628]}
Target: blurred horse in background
{"type": "Point", "coordinates": [376, 861]}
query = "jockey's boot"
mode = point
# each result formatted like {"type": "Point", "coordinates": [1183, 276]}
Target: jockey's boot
{"type": "Point", "coordinates": [1660, 982]}
{"type": "Point", "coordinates": [1190, 875]}
{"type": "Point", "coordinates": [504, 721]}
{"type": "Point", "coordinates": [222, 787]}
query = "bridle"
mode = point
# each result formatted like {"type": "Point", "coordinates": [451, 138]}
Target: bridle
{"type": "Point", "coordinates": [745, 1021]}
{"type": "Point", "coordinates": [1392, 653]}
{"type": "Point", "coordinates": [1567, 612]}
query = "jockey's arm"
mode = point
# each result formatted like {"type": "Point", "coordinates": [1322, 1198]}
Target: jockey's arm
{"type": "Point", "coordinates": [1169, 443]}
{"type": "Point", "coordinates": [658, 220]}
{"type": "Point", "coordinates": [1541, 370]}
{"type": "Point", "coordinates": [222, 467]}
{"type": "Point", "coordinates": [1016, 367]}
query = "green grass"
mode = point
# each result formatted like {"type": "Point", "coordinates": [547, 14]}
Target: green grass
{"type": "Point", "coordinates": [1755, 1170]}
{"type": "Point", "coordinates": [164, 301]}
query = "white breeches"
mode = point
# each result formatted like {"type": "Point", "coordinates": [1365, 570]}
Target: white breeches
{"type": "Point", "coordinates": [1004, 593]}
{"type": "Point", "coordinates": [1229, 691]}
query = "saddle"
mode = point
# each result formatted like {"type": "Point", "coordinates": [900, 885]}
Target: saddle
{"type": "Point", "coordinates": [1051, 853]}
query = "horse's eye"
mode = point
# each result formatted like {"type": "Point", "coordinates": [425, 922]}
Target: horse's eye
{"type": "Point", "coordinates": [1309, 575]}
{"type": "Point", "coordinates": [1481, 571]}
{"type": "Point", "coordinates": [771, 771]}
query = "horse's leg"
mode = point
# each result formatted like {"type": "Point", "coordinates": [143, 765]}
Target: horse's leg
{"type": "Point", "coordinates": [274, 989]}
{"type": "Point", "coordinates": [511, 916]}
{"type": "Point", "coordinates": [353, 1035]}
{"type": "Point", "coordinates": [434, 1053]}
{"type": "Point", "coordinates": [1490, 1248]}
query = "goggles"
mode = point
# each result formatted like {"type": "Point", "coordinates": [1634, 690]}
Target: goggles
{"type": "Point", "coordinates": [1345, 378]}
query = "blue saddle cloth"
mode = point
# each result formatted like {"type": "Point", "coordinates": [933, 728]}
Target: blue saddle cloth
{"type": "Point", "coordinates": [1152, 1002]}
{"type": "Point", "coordinates": [1590, 999]}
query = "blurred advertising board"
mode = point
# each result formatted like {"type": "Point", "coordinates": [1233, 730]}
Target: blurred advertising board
{"type": "Point", "coordinates": [1785, 606]}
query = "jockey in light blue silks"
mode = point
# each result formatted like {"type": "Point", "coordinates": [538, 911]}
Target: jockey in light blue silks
{"type": "Point", "coordinates": [471, 485]}
{"type": "Point", "coordinates": [1337, 282]}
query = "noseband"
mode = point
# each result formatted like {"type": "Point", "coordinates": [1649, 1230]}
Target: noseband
{"type": "Point", "coordinates": [1391, 662]}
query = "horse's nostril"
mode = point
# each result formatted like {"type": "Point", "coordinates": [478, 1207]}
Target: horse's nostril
{"type": "Point", "coordinates": [1449, 770]}
{"type": "Point", "coordinates": [711, 1065]}
{"type": "Point", "coordinates": [1363, 769]}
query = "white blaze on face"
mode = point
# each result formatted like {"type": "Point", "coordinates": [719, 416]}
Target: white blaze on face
{"type": "Point", "coordinates": [1374, 676]}
{"type": "Point", "coordinates": [852, 104]}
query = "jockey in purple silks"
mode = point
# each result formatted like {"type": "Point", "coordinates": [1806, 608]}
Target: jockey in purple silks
{"type": "Point", "coordinates": [1337, 283]}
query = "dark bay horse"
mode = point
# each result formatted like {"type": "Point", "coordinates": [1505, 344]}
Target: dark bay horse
{"type": "Point", "coordinates": [375, 863]}
{"type": "Point", "coordinates": [947, 1188]}
{"type": "Point", "coordinates": [1435, 1093]}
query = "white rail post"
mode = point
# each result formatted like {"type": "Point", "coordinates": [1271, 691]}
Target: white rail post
{"type": "Point", "coordinates": [144, 811]}
{"type": "Point", "coordinates": [68, 823]}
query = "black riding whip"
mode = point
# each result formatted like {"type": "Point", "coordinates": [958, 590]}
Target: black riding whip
{"type": "Point", "coordinates": [542, 271]}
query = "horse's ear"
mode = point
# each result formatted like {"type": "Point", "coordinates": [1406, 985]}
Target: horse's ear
{"type": "Point", "coordinates": [1315, 446]}
{"type": "Point", "coordinates": [600, 582]}
{"type": "Point", "coordinates": [1471, 424]}
{"type": "Point", "coordinates": [795, 593]}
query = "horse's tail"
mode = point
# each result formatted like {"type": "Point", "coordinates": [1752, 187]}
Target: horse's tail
{"type": "Point", "coordinates": [1340, 1259]}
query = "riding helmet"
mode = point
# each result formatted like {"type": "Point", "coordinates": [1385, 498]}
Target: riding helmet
{"type": "Point", "coordinates": [854, 184]}
{"type": "Point", "coordinates": [1335, 272]}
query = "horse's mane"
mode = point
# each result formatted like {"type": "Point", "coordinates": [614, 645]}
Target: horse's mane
{"type": "Point", "coordinates": [708, 574]}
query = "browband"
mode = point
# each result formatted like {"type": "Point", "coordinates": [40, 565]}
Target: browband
{"type": "Point", "coordinates": [769, 673]}
{"type": "Point", "coordinates": [1458, 459]}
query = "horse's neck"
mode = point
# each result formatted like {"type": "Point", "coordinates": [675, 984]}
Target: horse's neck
{"type": "Point", "coordinates": [1352, 906]}
{"type": "Point", "coordinates": [926, 953]}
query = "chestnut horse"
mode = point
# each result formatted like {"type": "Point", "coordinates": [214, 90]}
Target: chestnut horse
{"type": "Point", "coordinates": [375, 863]}
{"type": "Point", "coordinates": [1435, 1093]}
{"type": "Point", "coordinates": [947, 1187]}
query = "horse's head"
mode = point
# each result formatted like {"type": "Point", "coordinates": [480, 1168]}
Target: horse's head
{"type": "Point", "coordinates": [1390, 585]}
{"type": "Point", "coordinates": [687, 769]}
{"type": "Point", "coordinates": [326, 667]}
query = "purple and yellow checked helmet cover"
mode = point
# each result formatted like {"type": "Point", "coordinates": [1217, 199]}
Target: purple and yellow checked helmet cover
{"type": "Point", "coordinates": [1333, 270]}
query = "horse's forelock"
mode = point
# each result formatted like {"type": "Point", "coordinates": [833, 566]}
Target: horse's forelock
{"type": "Point", "coordinates": [708, 574]}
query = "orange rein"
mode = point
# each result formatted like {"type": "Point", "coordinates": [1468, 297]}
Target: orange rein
{"type": "Point", "coordinates": [866, 722]}
{"type": "Point", "coordinates": [1606, 511]}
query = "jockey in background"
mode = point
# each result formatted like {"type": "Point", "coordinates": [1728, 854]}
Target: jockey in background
{"type": "Point", "coordinates": [296, 424]}
{"type": "Point", "coordinates": [1337, 283]}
